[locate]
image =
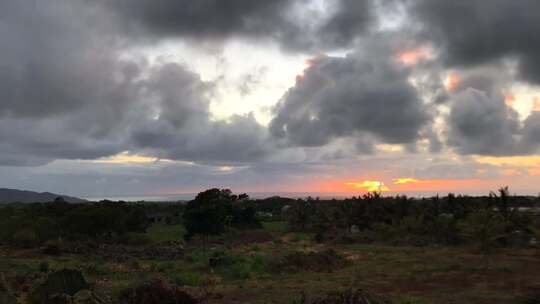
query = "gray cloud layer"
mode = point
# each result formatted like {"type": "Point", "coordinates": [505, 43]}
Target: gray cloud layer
{"type": "Point", "coordinates": [477, 31]}
{"type": "Point", "coordinates": [362, 93]}
{"type": "Point", "coordinates": [67, 91]}
{"type": "Point", "coordinates": [67, 94]}
{"type": "Point", "coordinates": [295, 24]}
{"type": "Point", "coordinates": [480, 121]}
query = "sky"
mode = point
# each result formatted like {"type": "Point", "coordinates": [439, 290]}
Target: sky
{"type": "Point", "coordinates": [108, 98]}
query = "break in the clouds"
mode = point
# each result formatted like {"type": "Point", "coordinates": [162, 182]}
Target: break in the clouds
{"type": "Point", "coordinates": [388, 86]}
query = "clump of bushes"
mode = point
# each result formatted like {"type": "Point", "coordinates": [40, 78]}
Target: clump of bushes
{"type": "Point", "coordinates": [6, 295]}
{"type": "Point", "coordinates": [135, 239]}
{"type": "Point", "coordinates": [189, 279]}
{"type": "Point", "coordinates": [44, 267]}
{"type": "Point", "coordinates": [25, 238]}
{"type": "Point", "coordinates": [531, 297]}
{"type": "Point", "coordinates": [52, 248]}
{"type": "Point", "coordinates": [156, 291]}
{"type": "Point", "coordinates": [324, 261]}
{"type": "Point", "coordinates": [60, 284]}
{"type": "Point", "coordinates": [237, 267]}
{"type": "Point", "coordinates": [349, 296]}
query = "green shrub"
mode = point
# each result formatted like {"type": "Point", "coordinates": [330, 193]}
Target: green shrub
{"type": "Point", "coordinates": [324, 261]}
{"type": "Point", "coordinates": [44, 266]}
{"type": "Point", "coordinates": [483, 228]}
{"type": "Point", "coordinates": [155, 292]}
{"type": "Point", "coordinates": [52, 248]}
{"type": "Point", "coordinates": [300, 237]}
{"type": "Point", "coordinates": [26, 238]}
{"type": "Point", "coordinates": [237, 267]}
{"type": "Point", "coordinates": [64, 282]}
{"type": "Point", "coordinates": [189, 279]}
{"type": "Point", "coordinates": [96, 269]}
{"type": "Point", "coordinates": [411, 300]}
{"type": "Point", "coordinates": [136, 239]}
{"type": "Point", "coordinates": [164, 267]}
{"type": "Point", "coordinates": [384, 232]}
{"type": "Point", "coordinates": [349, 296]}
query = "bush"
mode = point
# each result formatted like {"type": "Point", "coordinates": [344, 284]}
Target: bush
{"type": "Point", "coordinates": [64, 282]}
{"type": "Point", "coordinates": [345, 297]}
{"type": "Point", "coordinates": [324, 261]}
{"type": "Point", "coordinates": [26, 238]}
{"type": "Point", "coordinates": [52, 248]}
{"type": "Point", "coordinates": [164, 267]}
{"type": "Point", "coordinates": [237, 267]}
{"type": "Point", "coordinates": [483, 228]}
{"type": "Point", "coordinates": [155, 291]}
{"type": "Point", "coordinates": [44, 266]}
{"type": "Point", "coordinates": [6, 296]}
{"type": "Point", "coordinates": [136, 239]}
{"type": "Point", "coordinates": [531, 297]}
{"type": "Point", "coordinates": [189, 279]}
{"type": "Point", "coordinates": [411, 300]}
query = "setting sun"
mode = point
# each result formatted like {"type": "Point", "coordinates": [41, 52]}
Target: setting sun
{"type": "Point", "coordinates": [369, 185]}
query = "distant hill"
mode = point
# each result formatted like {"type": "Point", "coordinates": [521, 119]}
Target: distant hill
{"type": "Point", "coordinates": [20, 196]}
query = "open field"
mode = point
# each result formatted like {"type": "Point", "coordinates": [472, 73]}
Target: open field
{"type": "Point", "coordinates": [404, 274]}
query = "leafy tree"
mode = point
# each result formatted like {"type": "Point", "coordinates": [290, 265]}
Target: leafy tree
{"type": "Point", "coordinates": [208, 214]}
{"type": "Point", "coordinates": [137, 221]}
{"type": "Point", "coordinates": [484, 228]}
{"type": "Point", "coordinates": [300, 215]}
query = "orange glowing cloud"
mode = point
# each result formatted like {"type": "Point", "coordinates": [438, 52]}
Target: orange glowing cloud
{"type": "Point", "coordinates": [309, 63]}
{"type": "Point", "coordinates": [433, 185]}
{"type": "Point", "coordinates": [536, 104]}
{"type": "Point", "coordinates": [510, 172]}
{"type": "Point", "coordinates": [369, 185]}
{"type": "Point", "coordinates": [534, 171]}
{"type": "Point", "coordinates": [452, 82]}
{"type": "Point", "coordinates": [509, 99]}
{"type": "Point", "coordinates": [516, 161]}
{"type": "Point", "coordinates": [413, 56]}
{"type": "Point", "coordinates": [404, 180]}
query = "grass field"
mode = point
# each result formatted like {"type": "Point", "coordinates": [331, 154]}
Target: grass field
{"type": "Point", "coordinates": [405, 274]}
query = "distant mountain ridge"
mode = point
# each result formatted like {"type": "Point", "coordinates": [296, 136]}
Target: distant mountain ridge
{"type": "Point", "coordinates": [22, 196]}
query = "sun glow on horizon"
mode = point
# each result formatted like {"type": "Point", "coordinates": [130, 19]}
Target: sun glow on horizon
{"type": "Point", "coordinates": [404, 180]}
{"type": "Point", "coordinates": [127, 158]}
{"type": "Point", "coordinates": [369, 185]}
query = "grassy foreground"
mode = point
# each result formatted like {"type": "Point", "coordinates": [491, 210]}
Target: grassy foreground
{"type": "Point", "coordinates": [252, 275]}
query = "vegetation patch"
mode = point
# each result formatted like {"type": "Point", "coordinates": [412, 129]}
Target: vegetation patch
{"type": "Point", "coordinates": [323, 261]}
{"type": "Point", "coordinates": [156, 291]}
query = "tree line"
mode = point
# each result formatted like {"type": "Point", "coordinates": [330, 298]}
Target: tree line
{"type": "Point", "coordinates": [495, 220]}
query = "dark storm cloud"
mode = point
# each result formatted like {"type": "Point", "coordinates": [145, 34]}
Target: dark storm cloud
{"type": "Point", "coordinates": [531, 132]}
{"type": "Point", "coordinates": [480, 121]}
{"type": "Point", "coordinates": [342, 96]}
{"type": "Point", "coordinates": [294, 24]}
{"type": "Point", "coordinates": [66, 93]}
{"type": "Point", "coordinates": [351, 18]}
{"type": "Point", "coordinates": [211, 18]}
{"type": "Point", "coordinates": [50, 62]}
{"type": "Point", "coordinates": [477, 31]}
{"type": "Point", "coordinates": [482, 124]}
{"type": "Point", "coordinates": [182, 127]}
